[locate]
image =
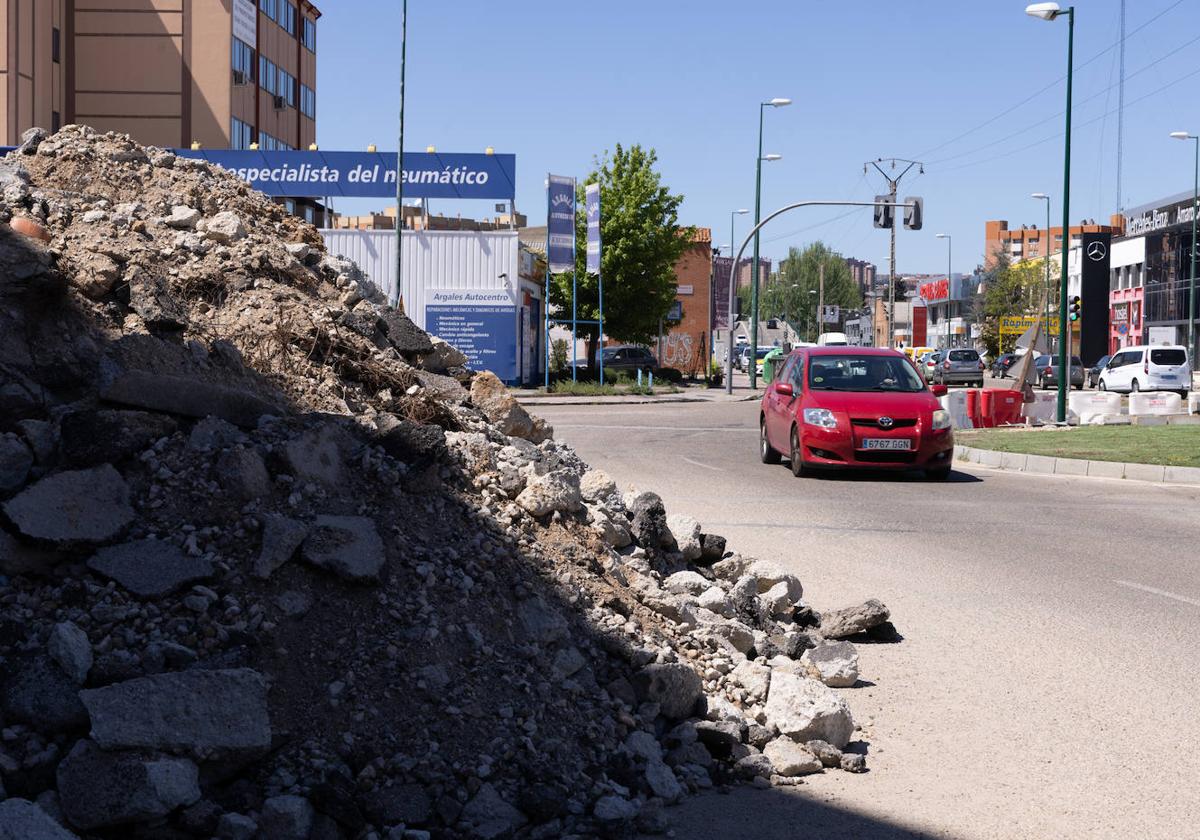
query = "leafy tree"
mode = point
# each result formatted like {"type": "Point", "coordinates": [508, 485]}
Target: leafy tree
{"type": "Point", "coordinates": [1011, 289]}
{"type": "Point", "coordinates": [788, 293]}
{"type": "Point", "coordinates": [642, 240]}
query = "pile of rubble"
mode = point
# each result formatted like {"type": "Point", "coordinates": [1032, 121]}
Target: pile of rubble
{"type": "Point", "coordinates": [274, 563]}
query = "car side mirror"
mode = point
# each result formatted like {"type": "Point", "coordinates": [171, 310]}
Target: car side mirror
{"type": "Point", "coordinates": [939, 390]}
{"type": "Point", "coordinates": [784, 390]}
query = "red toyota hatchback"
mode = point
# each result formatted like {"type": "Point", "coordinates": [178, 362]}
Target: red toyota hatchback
{"type": "Point", "coordinates": [855, 407]}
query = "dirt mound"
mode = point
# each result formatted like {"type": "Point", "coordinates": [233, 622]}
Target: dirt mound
{"type": "Point", "coordinates": [267, 567]}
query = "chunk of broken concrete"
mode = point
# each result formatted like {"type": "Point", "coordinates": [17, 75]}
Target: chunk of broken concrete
{"type": "Point", "coordinates": [75, 506]}
{"type": "Point", "coordinates": [281, 537]}
{"type": "Point", "coordinates": [348, 546]}
{"type": "Point", "coordinates": [150, 568]}
{"type": "Point", "coordinates": [98, 788]}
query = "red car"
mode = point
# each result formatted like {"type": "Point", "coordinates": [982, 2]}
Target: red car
{"type": "Point", "coordinates": [858, 407]}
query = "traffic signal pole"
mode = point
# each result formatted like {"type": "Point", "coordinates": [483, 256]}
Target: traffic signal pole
{"type": "Point", "coordinates": [893, 183]}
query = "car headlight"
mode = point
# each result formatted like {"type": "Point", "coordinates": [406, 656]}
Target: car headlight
{"type": "Point", "coordinates": [941, 419]}
{"type": "Point", "coordinates": [822, 417]}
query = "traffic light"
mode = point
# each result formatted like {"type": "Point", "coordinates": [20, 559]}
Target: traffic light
{"type": "Point", "coordinates": [884, 215]}
{"type": "Point", "coordinates": [1075, 307]}
{"type": "Point", "coordinates": [913, 216]}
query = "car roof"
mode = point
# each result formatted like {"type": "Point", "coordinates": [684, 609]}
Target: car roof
{"type": "Point", "coordinates": [841, 350]}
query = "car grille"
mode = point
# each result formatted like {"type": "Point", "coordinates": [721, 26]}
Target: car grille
{"type": "Point", "coordinates": [873, 423]}
{"type": "Point", "coordinates": [885, 456]}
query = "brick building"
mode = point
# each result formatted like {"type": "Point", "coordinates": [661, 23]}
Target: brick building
{"type": "Point", "coordinates": [1030, 241]}
{"type": "Point", "coordinates": [862, 273]}
{"type": "Point", "coordinates": [685, 344]}
{"type": "Point", "coordinates": [223, 73]}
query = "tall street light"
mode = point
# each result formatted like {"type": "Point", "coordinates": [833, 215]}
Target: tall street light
{"type": "Point", "coordinates": [1183, 135]}
{"type": "Point", "coordinates": [1046, 198]}
{"type": "Point", "coordinates": [1051, 11]}
{"type": "Point", "coordinates": [777, 102]}
{"type": "Point", "coordinates": [949, 262]}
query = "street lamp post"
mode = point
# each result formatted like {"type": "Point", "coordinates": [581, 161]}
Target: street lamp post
{"type": "Point", "coordinates": [777, 102]}
{"type": "Point", "coordinates": [949, 262]}
{"type": "Point", "coordinates": [733, 278]}
{"type": "Point", "coordinates": [1183, 135]}
{"type": "Point", "coordinates": [1046, 198]}
{"type": "Point", "coordinates": [1050, 11]}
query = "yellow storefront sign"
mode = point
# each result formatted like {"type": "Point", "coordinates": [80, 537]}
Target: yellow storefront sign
{"type": "Point", "coordinates": [1020, 323]}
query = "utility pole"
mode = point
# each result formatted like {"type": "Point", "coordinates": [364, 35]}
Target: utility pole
{"type": "Point", "coordinates": [820, 298]}
{"type": "Point", "coordinates": [893, 183]}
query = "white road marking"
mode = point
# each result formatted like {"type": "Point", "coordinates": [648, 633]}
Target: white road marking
{"type": "Point", "coordinates": [1193, 601]}
{"type": "Point", "coordinates": [705, 466]}
{"type": "Point", "coordinates": [655, 428]}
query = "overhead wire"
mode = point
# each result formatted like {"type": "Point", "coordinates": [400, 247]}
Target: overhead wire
{"type": "Point", "coordinates": [1051, 85]}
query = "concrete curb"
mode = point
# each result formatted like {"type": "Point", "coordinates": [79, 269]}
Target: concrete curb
{"type": "Point", "coordinates": [1045, 465]}
{"type": "Point", "coordinates": [533, 402]}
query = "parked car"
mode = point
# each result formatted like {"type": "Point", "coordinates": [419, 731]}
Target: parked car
{"type": "Point", "coordinates": [928, 362]}
{"type": "Point", "coordinates": [1003, 363]}
{"type": "Point", "coordinates": [1093, 373]}
{"type": "Point", "coordinates": [758, 359]}
{"type": "Point", "coordinates": [1163, 367]}
{"type": "Point", "coordinates": [959, 366]}
{"type": "Point", "coordinates": [1046, 370]}
{"type": "Point", "coordinates": [628, 358]}
{"type": "Point", "coordinates": [854, 407]}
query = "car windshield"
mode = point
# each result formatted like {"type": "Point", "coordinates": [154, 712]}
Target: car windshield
{"type": "Point", "coordinates": [964, 356]}
{"type": "Point", "coordinates": [852, 372]}
{"type": "Point", "coordinates": [763, 351]}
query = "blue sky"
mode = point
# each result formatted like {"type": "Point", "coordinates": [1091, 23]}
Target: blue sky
{"type": "Point", "coordinates": [557, 83]}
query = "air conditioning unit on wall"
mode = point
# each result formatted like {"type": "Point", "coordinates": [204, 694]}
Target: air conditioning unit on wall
{"type": "Point", "coordinates": [280, 103]}
{"type": "Point", "coordinates": [239, 78]}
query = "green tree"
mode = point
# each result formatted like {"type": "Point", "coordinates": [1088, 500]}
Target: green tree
{"type": "Point", "coordinates": [788, 293]}
{"type": "Point", "coordinates": [642, 240]}
{"type": "Point", "coordinates": [1011, 289]}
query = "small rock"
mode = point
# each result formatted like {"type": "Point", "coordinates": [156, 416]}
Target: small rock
{"type": "Point", "coordinates": [286, 818]}
{"type": "Point", "coordinates": [98, 788]}
{"type": "Point", "coordinates": [489, 815]}
{"type": "Point", "coordinates": [558, 491]}
{"type": "Point", "coordinates": [839, 624]}
{"type": "Point", "coordinates": [348, 546]}
{"type": "Point", "coordinates": [686, 532]}
{"type": "Point", "coordinates": [674, 686]}
{"type": "Point", "coordinates": [281, 537]}
{"type": "Point", "coordinates": [15, 462]}
{"type": "Point", "coordinates": [597, 486]}
{"type": "Point", "coordinates": [854, 763]}
{"type": "Point", "coordinates": [833, 663]}
{"type": "Point", "coordinates": [225, 227]}
{"type": "Point", "coordinates": [791, 759]}
{"type": "Point", "coordinates": [236, 827]}
{"type": "Point", "coordinates": [82, 505]}
{"type": "Point", "coordinates": [613, 808]}
{"type": "Point", "coordinates": [826, 753]}
{"type": "Point", "coordinates": [70, 648]}
{"type": "Point", "coordinates": [686, 583]}
{"type": "Point", "coordinates": [805, 709]}
{"type": "Point", "coordinates": [20, 819]}
{"type": "Point", "coordinates": [182, 217]}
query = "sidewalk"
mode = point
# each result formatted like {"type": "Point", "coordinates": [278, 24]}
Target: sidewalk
{"type": "Point", "coordinates": [690, 394]}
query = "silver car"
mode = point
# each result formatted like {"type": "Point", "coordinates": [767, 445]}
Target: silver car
{"type": "Point", "coordinates": [1046, 368]}
{"type": "Point", "coordinates": [959, 367]}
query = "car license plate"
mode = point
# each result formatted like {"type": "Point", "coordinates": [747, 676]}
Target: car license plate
{"type": "Point", "coordinates": [1170, 377]}
{"type": "Point", "coordinates": [886, 443]}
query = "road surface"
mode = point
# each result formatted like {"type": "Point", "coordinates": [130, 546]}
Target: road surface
{"type": "Point", "coordinates": [1048, 679]}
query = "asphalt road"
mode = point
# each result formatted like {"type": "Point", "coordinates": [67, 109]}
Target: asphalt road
{"type": "Point", "coordinates": [1048, 679]}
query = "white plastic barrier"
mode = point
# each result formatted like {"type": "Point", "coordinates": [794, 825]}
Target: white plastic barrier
{"type": "Point", "coordinates": [1044, 407]}
{"type": "Point", "coordinates": [1086, 407]}
{"type": "Point", "coordinates": [1194, 403]}
{"type": "Point", "coordinates": [1155, 402]}
{"type": "Point", "coordinates": [956, 403]}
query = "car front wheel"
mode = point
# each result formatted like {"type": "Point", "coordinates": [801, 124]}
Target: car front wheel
{"type": "Point", "coordinates": [765, 451]}
{"type": "Point", "coordinates": [1102, 386]}
{"type": "Point", "coordinates": [798, 468]}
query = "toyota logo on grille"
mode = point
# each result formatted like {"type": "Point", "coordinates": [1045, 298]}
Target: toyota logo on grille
{"type": "Point", "coordinates": [886, 422]}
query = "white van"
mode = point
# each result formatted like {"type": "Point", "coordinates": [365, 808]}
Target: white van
{"type": "Point", "coordinates": [832, 339]}
{"type": "Point", "coordinates": [1158, 367]}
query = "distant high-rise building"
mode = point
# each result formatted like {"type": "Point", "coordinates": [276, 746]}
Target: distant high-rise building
{"type": "Point", "coordinates": [1029, 241]}
{"type": "Point", "coordinates": [863, 274]}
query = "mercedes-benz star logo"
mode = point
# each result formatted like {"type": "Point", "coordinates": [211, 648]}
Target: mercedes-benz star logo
{"type": "Point", "coordinates": [1096, 251]}
{"type": "Point", "coordinates": [886, 422]}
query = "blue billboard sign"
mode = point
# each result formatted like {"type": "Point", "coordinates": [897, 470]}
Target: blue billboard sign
{"type": "Point", "coordinates": [300, 174]}
{"type": "Point", "coordinates": [482, 323]}
{"type": "Point", "coordinates": [560, 224]}
{"type": "Point", "coordinates": [593, 228]}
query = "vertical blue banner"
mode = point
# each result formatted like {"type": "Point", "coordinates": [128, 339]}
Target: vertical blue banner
{"type": "Point", "coordinates": [593, 228]}
{"type": "Point", "coordinates": [560, 224]}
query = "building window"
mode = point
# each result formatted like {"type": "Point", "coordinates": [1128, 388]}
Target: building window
{"type": "Point", "coordinates": [310, 34]}
{"type": "Point", "coordinates": [270, 8]}
{"type": "Point", "coordinates": [267, 74]}
{"type": "Point", "coordinates": [55, 121]}
{"type": "Point", "coordinates": [239, 134]}
{"type": "Point", "coordinates": [55, 45]}
{"type": "Point", "coordinates": [288, 21]}
{"type": "Point", "coordinates": [287, 87]}
{"type": "Point", "coordinates": [243, 61]}
{"type": "Point", "coordinates": [308, 101]}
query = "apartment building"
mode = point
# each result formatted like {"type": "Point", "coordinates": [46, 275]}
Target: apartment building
{"type": "Point", "coordinates": [1030, 241]}
{"type": "Point", "coordinates": [862, 273]}
{"type": "Point", "coordinates": [222, 73]}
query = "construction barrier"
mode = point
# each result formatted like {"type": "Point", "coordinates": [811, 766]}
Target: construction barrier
{"type": "Point", "coordinates": [1155, 402]}
{"type": "Point", "coordinates": [987, 401]}
{"type": "Point", "coordinates": [955, 402]}
{"type": "Point", "coordinates": [1194, 403]}
{"type": "Point", "coordinates": [1005, 406]}
{"type": "Point", "coordinates": [973, 411]}
{"type": "Point", "coordinates": [1087, 408]}
{"type": "Point", "coordinates": [1043, 409]}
